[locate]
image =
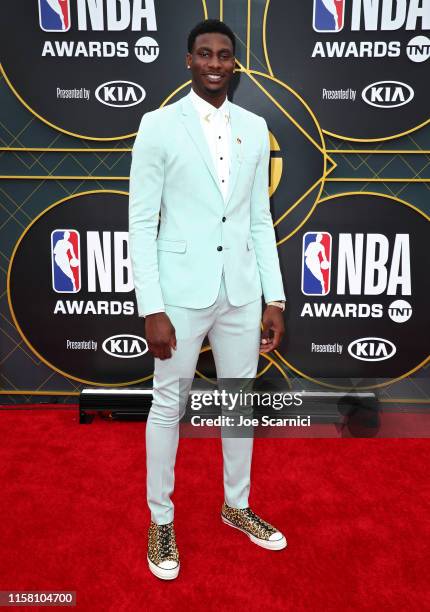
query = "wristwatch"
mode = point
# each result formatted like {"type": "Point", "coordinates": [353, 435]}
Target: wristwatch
{"type": "Point", "coordinates": [280, 304]}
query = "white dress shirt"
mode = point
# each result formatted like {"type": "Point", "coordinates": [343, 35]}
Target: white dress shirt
{"type": "Point", "coordinates": [215, 123]}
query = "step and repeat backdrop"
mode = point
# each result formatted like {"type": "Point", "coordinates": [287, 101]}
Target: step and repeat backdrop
{"type": "Point", "coordinates": [343, 86]}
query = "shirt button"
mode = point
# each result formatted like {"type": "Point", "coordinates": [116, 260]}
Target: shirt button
{"type": "Point", "coordinates": [219, 248]}
{"type": "Point", "coordinates": [223, 219]}
{"type": "Point", "coordinates": [220, 157]}
{"type": "Point", "coordinates": [222, 181]}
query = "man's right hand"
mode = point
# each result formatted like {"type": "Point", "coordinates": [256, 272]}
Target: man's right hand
{"type": "Point", "coordinates": [160, 335]}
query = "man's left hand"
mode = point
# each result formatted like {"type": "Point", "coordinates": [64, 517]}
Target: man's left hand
{"type": "Point", "coordinates": [273, 329]}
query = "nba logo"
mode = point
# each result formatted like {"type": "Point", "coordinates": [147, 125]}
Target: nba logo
{"type": "Point", "coordinates": [66, 256]}
{"type": "Point", "coordinates": [54, 15]}
{"type": "Point", "coordinates": [328, 15]}
{"type": "Point", "coordinates": [316, 263]}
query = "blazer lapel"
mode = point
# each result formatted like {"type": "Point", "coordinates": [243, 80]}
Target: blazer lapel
{"type": "Point", "coordinates": [235, 150]}
{"type": "Point", "coordinates": [192, 124]}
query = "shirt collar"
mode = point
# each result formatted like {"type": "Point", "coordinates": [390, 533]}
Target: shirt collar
{"type": "Point", "coordinates": [206, 110]}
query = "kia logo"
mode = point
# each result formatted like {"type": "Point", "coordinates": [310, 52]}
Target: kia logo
{"type": "Point", "coordinates": [387, 94]}
{"type": "Point", "coordinates": [120, 94]}
{"type": "Point", "coordinates": [125, 346]}
{"type": "Point", "coordinates": [371, 349]}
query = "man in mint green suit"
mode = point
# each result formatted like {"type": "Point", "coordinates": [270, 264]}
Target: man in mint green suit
{"type": "Point", "coordinates": [203, 253]}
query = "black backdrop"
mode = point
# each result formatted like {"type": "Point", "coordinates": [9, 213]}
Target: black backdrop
{"type": "Point", "coordinates": [72, 101]}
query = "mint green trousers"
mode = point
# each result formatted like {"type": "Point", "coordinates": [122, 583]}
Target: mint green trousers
{"type": "Point", "coordinates": [234, 336]}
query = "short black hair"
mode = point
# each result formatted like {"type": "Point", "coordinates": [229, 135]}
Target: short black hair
{"type": "Point", "coordinates": [208, 27]}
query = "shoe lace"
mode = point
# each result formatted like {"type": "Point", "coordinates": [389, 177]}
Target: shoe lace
{"type": "Point", "coordinates": [166, 540]}
{"type": "Point", "coordinates": [256, 519]}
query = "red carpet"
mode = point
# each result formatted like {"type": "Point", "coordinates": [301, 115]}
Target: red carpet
{"type": "Point", "coordinates": [74, 516]}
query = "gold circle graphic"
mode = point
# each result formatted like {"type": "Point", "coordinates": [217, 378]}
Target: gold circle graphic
{"type": "Point", "coordinates": [328, 133]}
{"type": "Point", "coordinates": [59, 129]}
{"type": "Point", "coordinates": [15, 321]}
{"type": "Point", "coordinates": [390, 382]}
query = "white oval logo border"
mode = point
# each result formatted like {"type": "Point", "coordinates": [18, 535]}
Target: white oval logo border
{"type": "Point", "coordinates": [125, 336]}
{"type": "Point", "coordinates": [408, 87]}
{"type": "Point", "coordinates": [354, 342]}
{"type": "Point", "coordinates": [143, 94]}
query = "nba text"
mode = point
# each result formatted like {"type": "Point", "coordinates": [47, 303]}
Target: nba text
{"type": "Point", "coordinates": [365, 265]}
{"type": "Point", "coordinates": [334, 16]}
{"type": "Point", "coordinates": [98, 16]}
{"type": "Point", "coordinates": [107, 269]}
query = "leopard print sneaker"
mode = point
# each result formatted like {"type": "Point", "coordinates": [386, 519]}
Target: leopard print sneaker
{"type": "Point", "coordinates": [259, 531]}
{"type": "Point", "coordinates": [163, 555]}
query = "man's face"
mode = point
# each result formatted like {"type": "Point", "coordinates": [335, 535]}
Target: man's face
{"type": "Point", "coordinates": [212, 63]}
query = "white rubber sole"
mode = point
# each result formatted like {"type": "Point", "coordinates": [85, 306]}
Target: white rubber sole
{"type": "Point", "coordinates": [164, 574]}
{"type": "Point", "coordinates": [268, 544]}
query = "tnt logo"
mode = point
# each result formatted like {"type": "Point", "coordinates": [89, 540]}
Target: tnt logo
{"type": "Point", "coordinates": [400, 311]}
{"type": "Point", "coordinates": [65, 255]}
{"type": "Point", "coordinates": [316, 263]}
{"type": "Point", "coordinates": [328, 15]}
{"type": "Point", "coordinates": [54, 15]}
{"type": "Point", "coordinates": [146, 49]}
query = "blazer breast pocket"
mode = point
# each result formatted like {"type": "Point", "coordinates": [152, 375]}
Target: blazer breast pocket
{"type": "Point", "coordinates": [173, 246]}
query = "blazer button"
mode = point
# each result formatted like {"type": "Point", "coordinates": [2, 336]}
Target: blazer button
{"type": "Point", "coordinates": [219, 248]}
{"type": "Point", "coordinates": [223, 219]}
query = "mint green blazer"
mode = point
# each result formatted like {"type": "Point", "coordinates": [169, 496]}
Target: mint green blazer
{"type": "Point", "coordinates": [176, 212]}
